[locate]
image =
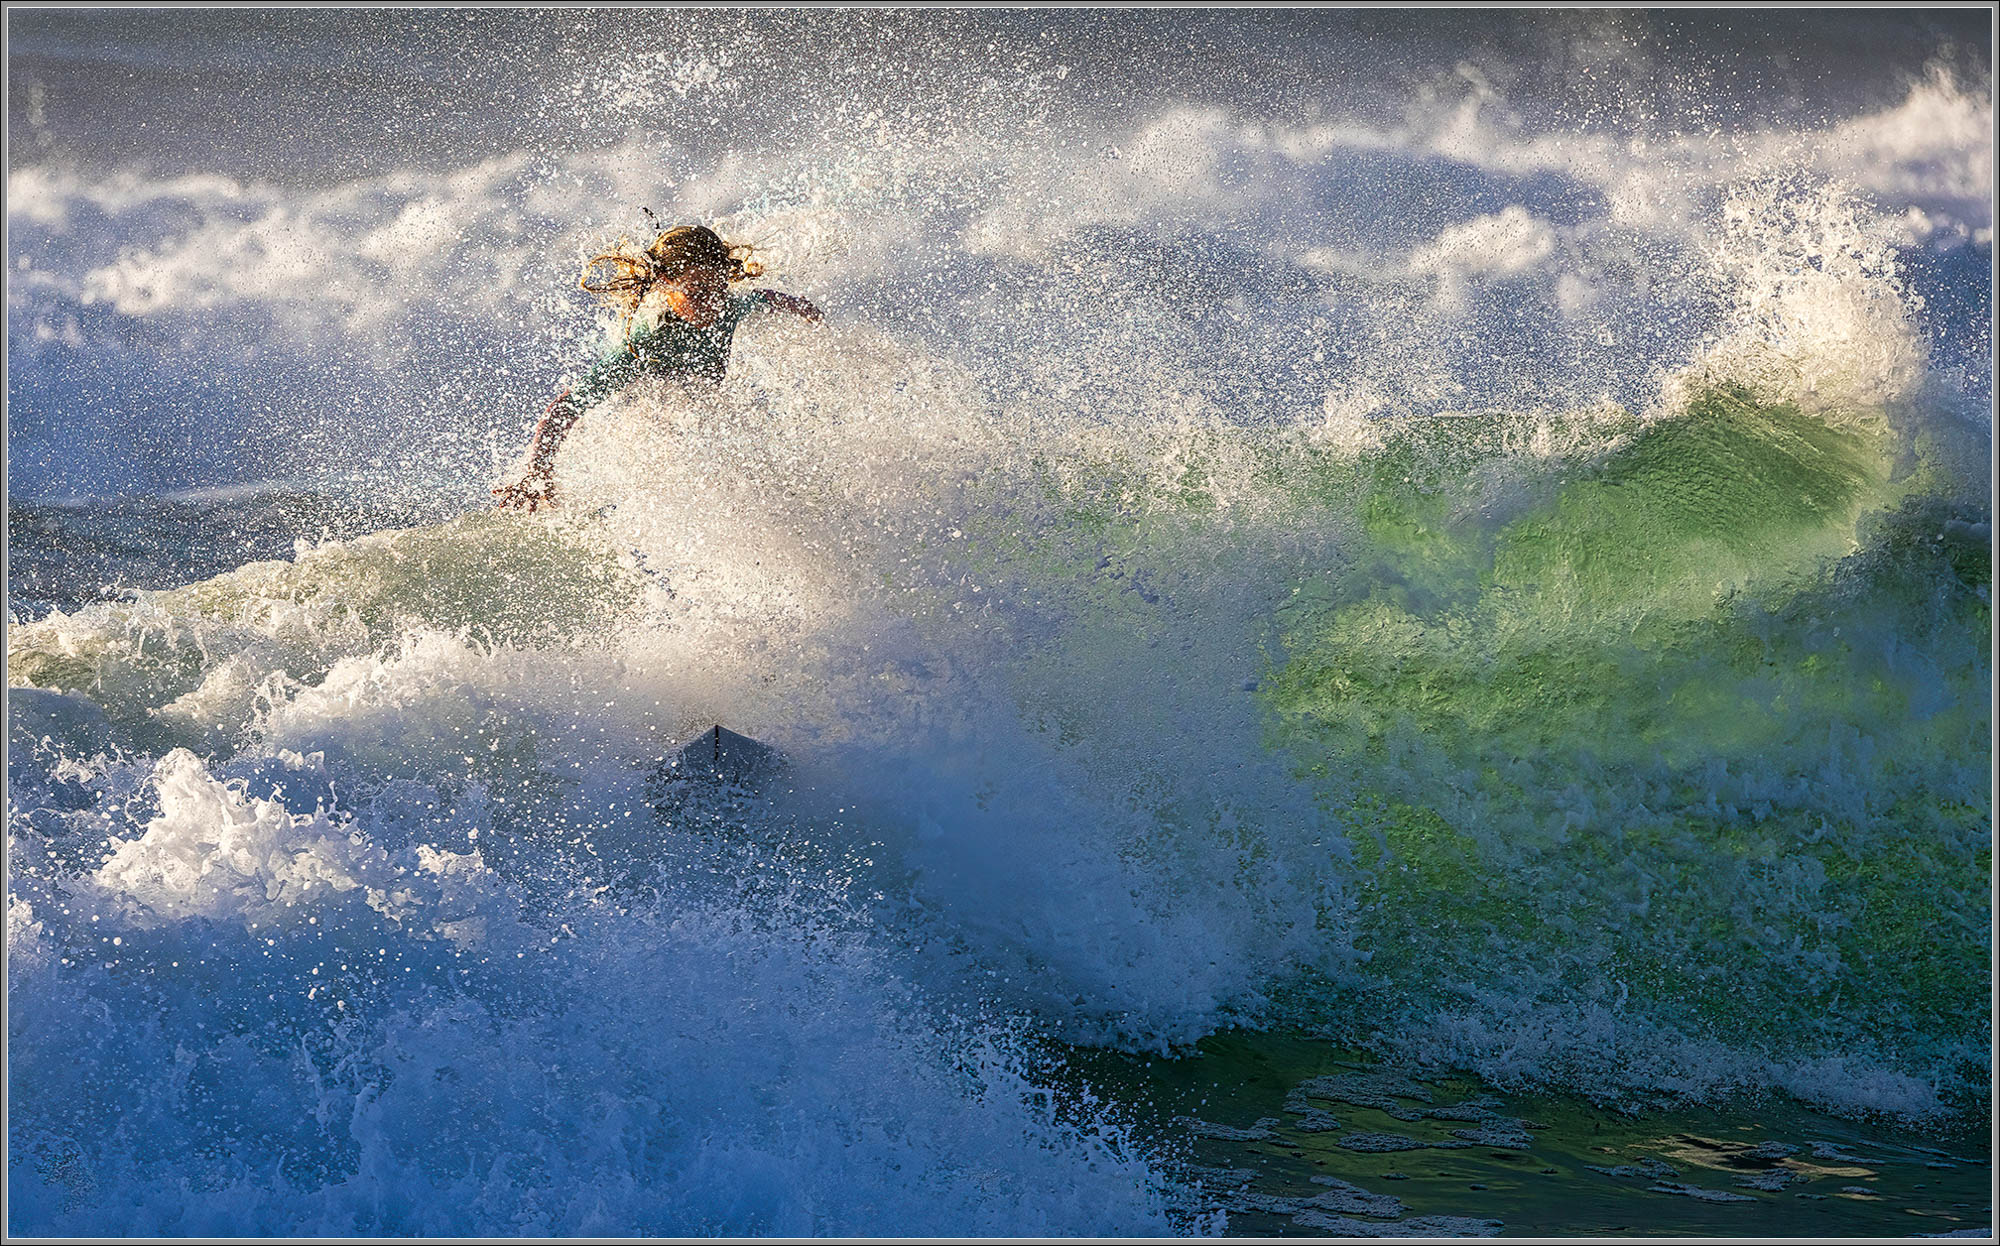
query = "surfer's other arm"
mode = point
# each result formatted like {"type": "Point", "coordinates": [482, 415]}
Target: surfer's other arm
{"type": "Point", "coordinates": [791, 304]}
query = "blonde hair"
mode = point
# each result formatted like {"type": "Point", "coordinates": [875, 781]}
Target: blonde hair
{"type": "Point", "coordinates": [625, 274]}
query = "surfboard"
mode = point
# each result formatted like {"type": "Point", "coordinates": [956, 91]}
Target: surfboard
{"type": "Point", "coordinates": [720, 756]}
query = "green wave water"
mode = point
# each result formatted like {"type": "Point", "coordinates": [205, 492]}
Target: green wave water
{"type": "Point", "coordinates": [1700, 741]}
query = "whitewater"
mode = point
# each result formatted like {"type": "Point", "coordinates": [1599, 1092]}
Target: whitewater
{"type": "Point", "coordinates": [1385, 573]}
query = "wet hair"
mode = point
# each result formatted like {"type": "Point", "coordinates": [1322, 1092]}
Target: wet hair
{"type": "Point", "coordinates": [625, 274]}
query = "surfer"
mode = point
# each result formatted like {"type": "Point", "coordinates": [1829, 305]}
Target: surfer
{"type": "Point", "coordinates": [682, 278]}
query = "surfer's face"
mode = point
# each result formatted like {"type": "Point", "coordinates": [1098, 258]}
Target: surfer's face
{"type": "Point", "coordinates": [696, 296]}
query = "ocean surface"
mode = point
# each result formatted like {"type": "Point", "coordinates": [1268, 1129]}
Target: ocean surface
{"type": "Point", "coordinates": [1380, 625]}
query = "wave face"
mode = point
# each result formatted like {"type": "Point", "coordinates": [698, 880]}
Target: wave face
{"type": "Point", "coordinates": [1463, 535]}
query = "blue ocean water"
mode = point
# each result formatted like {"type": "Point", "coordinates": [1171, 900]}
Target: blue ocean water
{"type": "Point", "coordinates": [1340, 563]}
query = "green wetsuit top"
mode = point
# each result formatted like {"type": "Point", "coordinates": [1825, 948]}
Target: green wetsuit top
{"type": "Point", "coordinates": [673, 347]}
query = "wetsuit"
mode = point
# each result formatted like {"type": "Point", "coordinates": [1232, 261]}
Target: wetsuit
{"type": "Point", "coordinates": [672, 348]}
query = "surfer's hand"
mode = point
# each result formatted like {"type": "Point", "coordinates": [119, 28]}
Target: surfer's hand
{"type": "Point", "coordinates": [529, 493]}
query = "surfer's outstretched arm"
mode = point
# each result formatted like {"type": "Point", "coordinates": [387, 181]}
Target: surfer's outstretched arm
{"type": "Point", "coordinates": [538, 486]}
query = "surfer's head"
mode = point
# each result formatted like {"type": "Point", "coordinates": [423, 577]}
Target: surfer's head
{"type": "Point", "coordinates": [691, 262]}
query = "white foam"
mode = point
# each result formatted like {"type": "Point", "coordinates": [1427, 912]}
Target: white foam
{"type": "Point", "coordinates": [215, 851]}
{"type": "Point", "coordinates": [1818, 317]}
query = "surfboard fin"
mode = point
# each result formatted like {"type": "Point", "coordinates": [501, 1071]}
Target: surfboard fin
{"type": "Point", "coordinates": [720, 756]}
